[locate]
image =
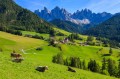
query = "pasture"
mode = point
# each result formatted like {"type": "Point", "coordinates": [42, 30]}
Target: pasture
{"type": "Point", "coordinates": [34, 58]}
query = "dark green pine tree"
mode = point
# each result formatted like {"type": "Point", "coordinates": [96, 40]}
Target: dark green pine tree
{"type": "Point", "coordinates": [118, 74]}
{"type": "Point", "coordinates": [96, 67]}
{"type": "Point", "coordinates": [111, 67]}
{"type": "Point", "coordinates": [90, 65]}
{"type": "Point", "coordinates": [110, 51]}
{"type": "Point", "coordinates": [81, 66]}
{"type": "Point", "coordinates": [66, 62]}
{"type": "Point", "coordinates": [93, 66]}
{"type": "Point", "coordinates": [72, 62]}
{"type": "Point", "coordinates": [75, 62]}
{"type": "Point", "coordinates": [84, 64]}
{"type": "Point", "coordinates": [90, 38]}
{"type": "Point", "coordinates": [58, 59]}
{"type": "Point", "coordinates": [104, 65]}
{"type": "Point", "coordinates": [52, 33]}
{"type": "Point", "coordinates": [78, 62]}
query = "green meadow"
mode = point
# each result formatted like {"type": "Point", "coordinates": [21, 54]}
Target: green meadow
{"type": "Point", "coordinates": [34, 58]}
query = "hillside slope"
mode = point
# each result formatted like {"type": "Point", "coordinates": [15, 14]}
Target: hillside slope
{"type": "Point", "coordinates": [109, 29]}
{"type": "Point", "coordinates": [67, 25]}
{"type": "Point", "coordinates": [33, 58]}
{"type": "Point", "coordinates": [18, 18]}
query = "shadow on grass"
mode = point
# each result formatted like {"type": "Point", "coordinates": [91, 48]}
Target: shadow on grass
{"type": "Point", "coordinates": [106, 54]}
{"type": "Point", "coordinates": [119, 60]}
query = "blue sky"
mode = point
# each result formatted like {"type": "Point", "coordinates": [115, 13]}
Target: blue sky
{"type": "Point", "coordinates": [112, 6]}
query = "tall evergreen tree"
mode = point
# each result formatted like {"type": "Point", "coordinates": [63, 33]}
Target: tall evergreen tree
{"type": "Point", "coordinates": [118, 74]}
{"type": "Point", "coordinates": [84, 64]}
{"type": "Point", "coordinates": [52, 33]}
{"type": "Point", "coordinates": [110, 51]}
{"type": "Point", "coordinates": [93, 66]}
{"type": "Point", "coordinates": [90, 38]}
{"type": "Point", "coordinates": [58, 59]}
{"type": "Point", "coordinates": [104, 64]}
{"type": "Point", "coordinates": [75, 62]}
{"type": "Point", "coordinates": [111, 67]}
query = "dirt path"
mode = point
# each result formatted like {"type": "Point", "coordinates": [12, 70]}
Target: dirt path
{"type": "Point", "coordinates": [24, 51]}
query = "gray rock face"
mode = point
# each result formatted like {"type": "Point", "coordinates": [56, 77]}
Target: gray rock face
{"type": "Point", "coordinates": [45, 14]}
{"type": "Point", "coordinates": [84, 16]}
{"type": "Point", "coordinates": [94, 18]}
{"type": "Point", "coordinates": [55, 13]}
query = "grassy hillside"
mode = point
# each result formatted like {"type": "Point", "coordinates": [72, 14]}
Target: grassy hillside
{"type": "Point", "coordinates": [12, 16]}
{"type": "Point", "coordinates": [33, 58]}
{"type": "Point", "coordinates": [47, 35]}
{"type": "Point", "coordinates": [84, 52]}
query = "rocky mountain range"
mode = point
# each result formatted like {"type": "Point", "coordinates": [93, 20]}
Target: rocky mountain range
{"type": "Point", "coordinates": [85, 16]}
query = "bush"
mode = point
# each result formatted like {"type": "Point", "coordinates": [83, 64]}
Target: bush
{"type": "Point", "coordinates": [105, 72]}
{"type": "Point", "coordinates": [91, 43]}
{"type": "Point", "coordinates": [39, 48]}
{"type": "Point", "coordinates": [74, 36]}
{"type": "Point", "coordinates": [60, 34]}
{"type": "Point", "coordinates": [37, 37]}
{"type": "Point", "coordinates": [15, 32]}
{"type": "Point", "coordinates": [28, 35]}
{"type": "Point", "coordinates": [90, 38]}
{"type": "Point", "coordinates": [58, 59]}
{"type": "Point", "coordinates": [1, 50]}
{"type": "Point", "coordinates": [34, 36]}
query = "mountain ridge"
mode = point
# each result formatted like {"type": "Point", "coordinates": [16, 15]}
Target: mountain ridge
{"type": "Point", "coordinates": [108, 29]}
{"type": "Point", "coordinates": [85, 16]}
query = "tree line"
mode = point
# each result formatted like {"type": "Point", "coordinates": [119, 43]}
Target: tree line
{"type": "Point", "coordinates": [109, 66]}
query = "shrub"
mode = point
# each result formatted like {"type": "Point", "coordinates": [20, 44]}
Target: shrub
{"type": "Point", "coordinates": [28, 35]}
{"type": "Point", "coordinates": [39, 48]}
{"type": "Point", "coordinates": [37, 37]}
{"type": "Point", "coordinates": [74, 36]}
{"type": "Point", "coordinates": [60, 34]}
{"type": "Point", "coordinates": [58, 59]}
{"type": "Point", "coordinates": [1, 50]}
{"type": "Point", "coordinates": [16, 32]}
{"type": "Point", "coordinates": [90, 38]}
{"type": "Point", "coordinates": [91, 43]}
{"type": "Point", "coordinates": [105, 72]}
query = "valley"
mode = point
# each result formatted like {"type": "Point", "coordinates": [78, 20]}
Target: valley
{"type": "Point", "coordinates": [56, 43]}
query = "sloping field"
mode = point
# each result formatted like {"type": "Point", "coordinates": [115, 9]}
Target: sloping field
{"type": "Point", "coordinates": [33, 58]}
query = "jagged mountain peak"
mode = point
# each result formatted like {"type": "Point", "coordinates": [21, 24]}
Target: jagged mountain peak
{"type": "Point", "coordinates": [45, 10]}
{"type": "Point", "coordinates": [62, 10]}
{"type": "Point", "coordinates": [80, 16]}
{"type": "Point", "coordinates": [84, 11]}
{"type": "Point", "coordinates": [56, 13]}
{"type": "Point", "coordinates": [57, 8]}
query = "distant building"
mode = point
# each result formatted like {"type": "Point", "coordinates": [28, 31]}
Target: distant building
{"type": "Point", "coordinates": [65, 40]}
{"type": "Point", "coordinates": [55, 42]}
